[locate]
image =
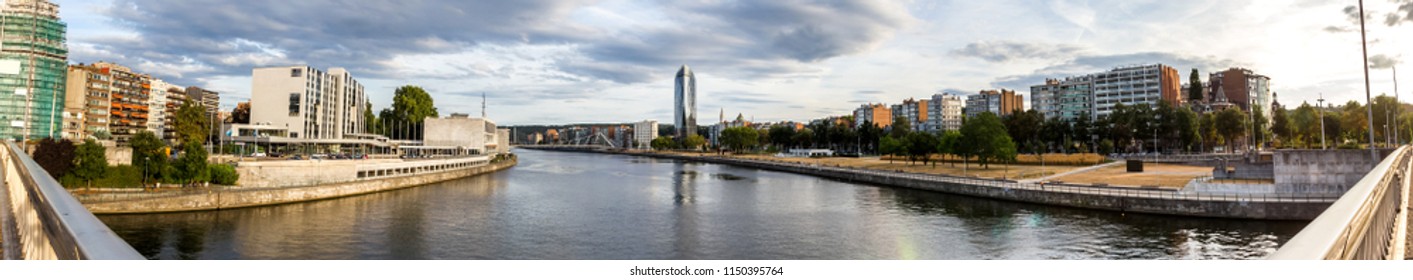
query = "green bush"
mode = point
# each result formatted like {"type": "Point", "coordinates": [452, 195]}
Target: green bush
{"type": "Point", "coordinates": [117, 176]}
{"type": "Point", "coordinates": [223, 174]}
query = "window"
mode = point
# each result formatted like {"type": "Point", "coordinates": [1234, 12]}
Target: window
{"type": "Point", "coordinates": [293, 104]}
{"type": "Point", "coordinates": [296, 72]}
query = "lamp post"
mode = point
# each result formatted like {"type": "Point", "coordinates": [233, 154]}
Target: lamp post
{"type": "Point", "coordinates": [1368, 99]}
{"type": "Point", "coordinates": [1321, 110]}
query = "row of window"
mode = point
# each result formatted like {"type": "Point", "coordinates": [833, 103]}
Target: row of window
{"type": "Point", "coordinates": [389, 172]}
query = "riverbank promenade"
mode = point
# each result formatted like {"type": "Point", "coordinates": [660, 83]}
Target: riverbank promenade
{"type": "Point", "coordinates": [1095, 196]}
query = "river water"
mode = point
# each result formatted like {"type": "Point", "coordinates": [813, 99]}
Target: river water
{"type": "Point", "coordinates": [559, 205]}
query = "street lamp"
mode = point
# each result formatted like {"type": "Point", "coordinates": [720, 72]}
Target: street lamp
{"type": "Point", "coordinates": [1321, 109]}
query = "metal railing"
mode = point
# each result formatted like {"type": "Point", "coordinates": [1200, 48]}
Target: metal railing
{"type": "Point", "coordinates": [1363, 224]}
{"type": "Point", "coordinates": [40, 220]}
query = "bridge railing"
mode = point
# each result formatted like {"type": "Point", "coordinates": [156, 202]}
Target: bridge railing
{"type": "Point", "coordinates": [40, 220]}
{"type": "Point", "coordinates": [1364, 224]}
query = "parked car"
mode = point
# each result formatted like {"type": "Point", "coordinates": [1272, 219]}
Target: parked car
{"type": "Point", "coordinates": [258, 154]}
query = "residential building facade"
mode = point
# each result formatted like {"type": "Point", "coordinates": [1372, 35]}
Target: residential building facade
{"type": "Point", "coordinates": [1243, 88]}
{"type": "Point", "coordinates": [86, 102]}
{"type": "Point", "coordinates": [643, 134]}
{"type": "Point", "coordinates": [1002, 102]}
{"type": "Point", "coordinates": [129, 98]}
{"type": "Point", "coordinates": [878, 114]}
{"type": "Point", "coordinates": [945, 114]}
{"type": "Point", "coordinates": [912, 111]}
{"type": "Point", "coordinates": [1132, 85]}
{"type": "Point", "coordinates": [1066, 99]}
{"type": "Point", "coordinates": [33, 70]}
{"type": "Point", "coordinates": [1097, 94]}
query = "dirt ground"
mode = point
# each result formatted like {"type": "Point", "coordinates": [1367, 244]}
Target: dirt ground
{"type": "Point", "coordinates": [1154, 174]}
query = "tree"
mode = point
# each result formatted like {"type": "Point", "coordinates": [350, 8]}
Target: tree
{"type": "Point", "coordinates": [1024, 125]}
{"type": "Point", "coordinates": [739, 138]}
{"type": "Point", "coordinates": [1189, 133]}
{"type": "Point", "coordinates": [891, 146]}
{"type": "Point", "coordinates": [102, 134]}
{"type": "Point", "coordinates": [1280, 126]}
{"type": "Point", "coordinates": [1207, 130]}
{"type": "Point", "coordinates": [900, 128]}
{"type": "Point", "coordinates": [1306, 125]}
{"type": "Point", "coordinates": [694, 142]}
{"type": "Point", "coordinates": [411, 105]}
{"type": "Point", "coordinates": [662, 143]}
{"type": "Point", "coordinates": [1054, 132]}
{"type": "Point", "coordinates": [950, 144]}
{"type": "Point", "coordinates": [1260, 125]}
{"type": "Point", "coordinates": [986, 138]}
{"type": "Point", "coordinates": [191, 166]}
{"type": "Point", "coordinates": [149, 154]}
{"type": "Point", "coordinates": [371, 123]}
{"type": "Point", "coordinates": [1354, 123]}
{"type": "Point", "coordinates": [1231, 125]}
{"type": "Point", "coordinates": [241, 114]}
{"type": "Point", "coordinates": [1194, 86]}
{"type": "Point", "coordinates": [191, 123]}
{"type": "Point", "coordinates": [921, 145]}
{"type": "Point", "coordinates": [781, 136]}
{"type": "Point", "coordinates": [90, 163]}
{"type": "Point", "coordinates": [56, 157]}
{"type": "Point", "coordinates": [804, 138]}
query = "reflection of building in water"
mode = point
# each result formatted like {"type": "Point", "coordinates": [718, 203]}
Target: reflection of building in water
{"type": "Point", "coordinates": [684, 215]}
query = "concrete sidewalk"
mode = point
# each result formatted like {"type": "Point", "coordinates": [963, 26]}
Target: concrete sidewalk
{"type": "Point", "coordinates": [1072, 172]}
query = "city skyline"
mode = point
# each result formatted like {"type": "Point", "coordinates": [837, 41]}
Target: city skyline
{"type": "Point", "coordinates": [602, 62]}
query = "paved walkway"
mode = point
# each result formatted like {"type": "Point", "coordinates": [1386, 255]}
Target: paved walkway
{"type": "Point", "coordinates": [1072, 172]}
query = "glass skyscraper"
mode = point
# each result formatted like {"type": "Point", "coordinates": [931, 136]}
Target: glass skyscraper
{"type": "Point", "coordinates": [33, 69]}
{"type": "Point", "coordinates": [685, 117]}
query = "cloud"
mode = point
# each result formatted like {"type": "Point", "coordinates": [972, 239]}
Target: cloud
{"type": "Point", "coordinates": [1383, 61]}
{"type": "Point", "coordinates": [1088, 64]}
{"type": "Point", "coordinates": [740, 39]}
{"type": "Point", "coordinates": [1003, 51]}
{"type": "Point", "coordinates": [1406, 8]}
{"type": "Point", "coordinates": [231, 37]}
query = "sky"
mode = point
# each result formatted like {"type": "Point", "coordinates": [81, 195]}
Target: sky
{"type": "Point", "coordinates": [558, 62]}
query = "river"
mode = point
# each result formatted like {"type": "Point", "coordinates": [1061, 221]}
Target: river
{"type": "Point", "coordinates": [560, 205]}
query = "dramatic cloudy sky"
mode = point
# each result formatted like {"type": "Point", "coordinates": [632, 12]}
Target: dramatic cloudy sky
{"type": "Point", "coordinates": [545, 62]}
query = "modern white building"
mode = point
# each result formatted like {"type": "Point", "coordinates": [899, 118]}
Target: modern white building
{"type": "Point", "coordinates": [945, 114]}
{"type": "Point", "coordinates": [1097, 94]}
{"type": "Point", "coordinates": [311, 103]}
{"type": "Point", "coordinates": [463, 135]}
{"type": "Point", "coordinates": [643, 134]}
{"type": "Point", "coordinates": [157, 103]}
{"type": "Point", "coordinates": [1129, 85]}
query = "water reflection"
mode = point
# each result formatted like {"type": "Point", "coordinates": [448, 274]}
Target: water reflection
{"type": "Point", "coordinates": [588, 206]}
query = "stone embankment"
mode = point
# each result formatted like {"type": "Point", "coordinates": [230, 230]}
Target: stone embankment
{"type": "Point", "coordinates": [238, 197]}
{"type": "Point", "coordinates": [1124, 199]}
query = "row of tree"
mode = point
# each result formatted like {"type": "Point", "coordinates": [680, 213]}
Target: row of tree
{"type": "Point", "coordinates": [87, 162]}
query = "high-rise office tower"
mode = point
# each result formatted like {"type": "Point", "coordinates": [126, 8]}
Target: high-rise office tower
{"type": "Point", "coordinates": [685, 117]}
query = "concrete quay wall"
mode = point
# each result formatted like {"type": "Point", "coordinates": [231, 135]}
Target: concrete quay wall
{"type": "Point", "coordinates": [1322, 171]}
{"type": "Point", "coordinates": [238, 198]}
{"type": "Point", "coordinates": [993, 189]}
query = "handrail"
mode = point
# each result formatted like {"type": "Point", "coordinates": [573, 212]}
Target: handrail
{"type": "Point", "coordinates": [1340, 231]}
{"type": "Point", "coordinates": [48, 223]}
